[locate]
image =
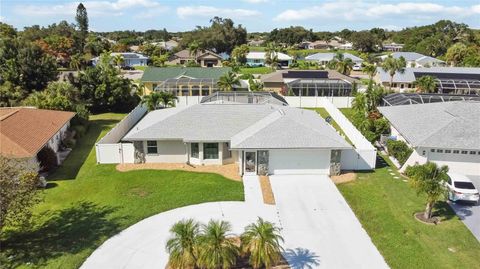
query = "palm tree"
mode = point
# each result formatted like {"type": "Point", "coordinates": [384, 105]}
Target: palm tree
{"type": "Point", "coordinates": [194, 48]}
{"type": "Point", "coordinates": [217, 249]}
{"type": "Point", "coordinates": [183, 244]}
{"type": "Point", "coordinates": [345, 66]}
{"type": "Point", "coordinates": [118, 60]}
{"type": "Point", "coordinates": [359, 103]}
{"type": "Point", "coordinates": [262, 241]}
{"type": "Point", "coordinates": [167, 99]}
{"type": "Point", "coordinates": [228, 82]}
{"type": "Point", "coordinates": [426, 84]}
{"type": "Point", "coordinates": [271, 55]}
{"type": "Point", "coordinates": [151, 101]}
{"type": "Point", "coordinates": [255, 85]}
{"type": "Point", "coordinates": [76, 62]}
{"type": "Point", "coordinates": [370, 69]}
{"type": "Point", "coordinates": [392, 66]}
{"type": "Point", "coordinates": [428, 179]}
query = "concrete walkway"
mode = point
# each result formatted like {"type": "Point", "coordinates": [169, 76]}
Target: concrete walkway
{"type": "Point", "coordinates": [319, 228]}
{"type": "Point", "coordinates": [252, 189]}
{"type": "Point", "coordinates": [143, 244]}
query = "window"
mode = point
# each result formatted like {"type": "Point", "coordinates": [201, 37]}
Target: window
{"type": "Point", "coordinates": [152, 147]}
{"type": "Point", "coordinates": [195, 150]}
{"type": "Point", "coordinates": [473, 152]}
{"type": "Point", "coordinates": [456, 151]}
{"type": "Point", "coordinates": [439, 150]}
{"type": "Point", "coordinates": [464, 152]}
{"type": "Point", "coordinates": [210, 151]}
{"type": "Point", "coordinates": [423, 153]}
{"type": "Point", "coordinates": [464, 185]}
{"type": "Point", "coordinates": [448, 151]}
{"type": "Point", "coordinates": [432, 150]}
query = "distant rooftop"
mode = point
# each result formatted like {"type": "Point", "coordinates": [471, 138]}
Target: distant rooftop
{"type": "Point", "coordinates": [328, 56]}
{"type": "Point", "coordinates": [245, 97]}
{"type": "Point", "coordinates": [156, 74]}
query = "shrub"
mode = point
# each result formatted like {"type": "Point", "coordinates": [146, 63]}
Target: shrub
{"type": "Point", "coordinates": [399, 149]}
{"type": "Point", "coordinates": [47, 158]}
{"type": "Point", "coordinates": [70, 143]}
{"type": "Point", "coordinates": [79, 131]}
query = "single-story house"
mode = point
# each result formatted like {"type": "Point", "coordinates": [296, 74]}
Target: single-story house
{"type": "Point", "coordinates": [415, 59]}
{"type": "Point", "coordinates": [446, 133]}
{"type": "Point", "coordinates": [25, 131]}
{"type": "Point", "coordinates": [255, 43]}
{"type": "Point", "coordinates": [257, 58]}
{"type": "Point", "coordinates": [129, 59]}
{"type": "Point", "coordinates": [394, 47]}
{"type": "Point", "coordinates": [183, 81]}
{"type": "Point", "coordinates": [324, 57]}
{"type": "Point", "coordinates": [205, 58]}
{"type": "Point", "coordinates": [309, 83]}
{"type": "Point", "coordinates": [260, 138]}
{"type": "Point", "coordinates": [457, 80]}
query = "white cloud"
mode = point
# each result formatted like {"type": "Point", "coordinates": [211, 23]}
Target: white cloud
{"type": "Point", "coordinates": [94, 8]}
{"type": "Point", "coordinates": [209, 11]}
{"type": "Point", "coordinates": [361, 10]}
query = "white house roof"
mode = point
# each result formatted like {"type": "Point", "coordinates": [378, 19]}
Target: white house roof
{"type": "Point", "coordinates": [413, 57]}
{"type": "Point", "coordinates": [409, 76]}
{"type": "Point", "coordinates": [244, 125]}
{"type": "Point", "coordinates": [127, 55]}
{"type": "Point", "coordinates": [328, 56]}
{"type": "Point", "coordinates": [260, 55]}
{"type": "Point", "coordinates": [449, 125]}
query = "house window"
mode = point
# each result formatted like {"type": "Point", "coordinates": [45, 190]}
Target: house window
{"type": "Point", "coordinates": [464, 152]}
{"type": "Point", "coordinates": [456, 151]}
{"type": "Point", "coordinates": [154, 85]}
{"type": "Point", "coordinates": [439, 150]}
{"type": "Point", "coordinates": [448, 151]}
{"type": "Point", "coordinates": [152, 147]}
{"type": "Point", "coordinates": [195, 150]}
{"type": "Point", "coordinates": [432, 150]}
{"type": "Point", "coordinates": [473, 152]}
{"type": "Point", "coordinates": [210, 151]}
{"type": "Point", "coordinates": [423, 153]}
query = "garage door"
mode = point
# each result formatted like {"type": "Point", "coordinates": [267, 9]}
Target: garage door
{"type": "Point", "coordinates": [288, 162]}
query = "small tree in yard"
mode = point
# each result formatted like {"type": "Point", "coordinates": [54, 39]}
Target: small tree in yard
{"type": "Point", "coordinates": [183, 245]}
{"type": "Point", "coordinates": [428, 179]}
{"type": "Point", "coordinates": [217, 249]}
{"type": "Point", "coordinates": [18, 191]}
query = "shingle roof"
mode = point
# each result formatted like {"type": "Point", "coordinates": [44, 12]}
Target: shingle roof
{"type": "Point", "coordinates": [24, 131]}
{"type": "Point", "coordinates": [156, 74]}
{"type": "Point", "coordinates": [245, 125]}
{"type": "Point", "coordinates": [454, 125]}
{"type": "Point", "coordinates": [328, 56]}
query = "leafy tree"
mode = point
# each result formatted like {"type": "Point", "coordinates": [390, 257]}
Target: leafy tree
{"type": "Point", "coordinates": [456, 54]}
{"type": "Point", "coordinates": [239, 54]}
{"type": "Point", "coordinates": [167, 99]}
{"type": "Point", "coordinates": [11, 95]}
{"type": "Point", "coordinates": [18, 191]}
{"type": "Point", "coordinates": [428, 179]}
{"type": "Point", "coordinates": [82, 23]}
{"type": "Point", "coordinates": [364, 41]}
{"type": "Point", "coordinates": [151, 100]}
{"type": "Point", "coordinates": [271, 55]}
{"type": "Point", "coordinates": [217, 248]}
{"type": "Point", "coordinates": [426, 84]}
{"type": "Point", "coordinates": [159, 61]}
{"type": "Point", "coordinates": [118, 60]}
{"type": "Point", "coordinates": [393, 65]}
{"type": "Point", "coordinates": [262, 240]}
{"type": "Point", "coordinates": [291, 36]}
{"type": "Point", "coordinates": [183, 244]}
{"type": "Point", "coordinates": [77, 62]}
{"type": "Point", "coordinates": [7, 31]}
{"type": "Point", "coordinates": [255, 85]}
{"type": "Point", "coordinates": [228, 82]}
{"type": "Point", "coordinates": [341, 64]}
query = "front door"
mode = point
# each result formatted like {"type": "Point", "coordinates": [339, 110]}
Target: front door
{"type": "Point", "coordinates": [250, 163]}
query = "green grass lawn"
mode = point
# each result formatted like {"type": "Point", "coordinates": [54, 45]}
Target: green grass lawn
{"type": "Point", "coordinates": [256, 70]}
{"type": "Point", "coordinates": [348, 112]}
{"type": "Point", "coordinates": [86, 203]}
{"type": "Point", "coordinates": [385, 207]}
{"type": "Point", "coordinates": [324, 114]}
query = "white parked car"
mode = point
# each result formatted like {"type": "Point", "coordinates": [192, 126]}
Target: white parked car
{"type": "Point", "coordinates": [357, 67]}
{"type": "Point", "coordinates": [461, 188]}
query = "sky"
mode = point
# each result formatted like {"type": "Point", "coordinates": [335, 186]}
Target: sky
{"type": "Point", "coordinates": [255, 15]}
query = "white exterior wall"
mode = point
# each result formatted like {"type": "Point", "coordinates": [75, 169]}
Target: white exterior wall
{"type": "Point", "coordinates": [56, 140]}
{"type": "Point", "coordinates": [168, 152]}
{"type": "Point", "coordinates": [466, 164]}
{"type": "Point", "coordinates": [395, 133]}
{"type": "Point", "coordinates": [357, 159]}
{"type": "Point", "coordinates": [290, 161]}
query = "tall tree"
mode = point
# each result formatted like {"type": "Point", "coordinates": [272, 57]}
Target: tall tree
{"type": "Point", "coordinates": [183, 244]}
{"type": "Point", "coordinates": [193, 49]}
{"type": "Point", "coordinates": [428, 179]}
{"type": "Point", "coordinates": [370, 69]}
{"type": "Point", "coordinates": [392, 66]}
{"type": "Point", "coordinates": [217, 248]}
{"type": "Point", "coordinates": [271, 55]}
{"type": "Point", "coordinates": [239, 54]}
{"type": "Point", "coordinates": [228, 82]}
{"type": "Point", "coordinates": [151, 100]}
{"type": "Point", "coordinates": [426, 84]}
{"type": "Point", "coordinates": [82, 24]}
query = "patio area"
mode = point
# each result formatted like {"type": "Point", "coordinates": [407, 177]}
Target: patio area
{"type": "Point", "coordinates": [229, 171]}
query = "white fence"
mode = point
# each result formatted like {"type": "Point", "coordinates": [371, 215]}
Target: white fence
{"type": "Point", "coordinates": [364, 155]}
{"type": "Point", "coordinates": [109, 149]}
{"type": "Point", "coordinates": [293, 101]}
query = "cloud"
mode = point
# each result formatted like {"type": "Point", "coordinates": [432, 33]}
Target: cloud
{"type": "Point", "coordinates": [94, 8]}
{"type": "Point", "coordinates": [365, 10]}
{"type": "Point", "coordinates": [209, 12]}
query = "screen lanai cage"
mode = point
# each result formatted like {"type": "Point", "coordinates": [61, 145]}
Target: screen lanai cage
{"type": "Point", "coordinates": [319, 87]}
{"type": "Point", "coordinates": [397, 99]}
{"type": "Point", "coordinates": [189, 86]}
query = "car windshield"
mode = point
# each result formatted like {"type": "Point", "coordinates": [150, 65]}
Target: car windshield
{"type": "Point", "coordinates": [464, 185]}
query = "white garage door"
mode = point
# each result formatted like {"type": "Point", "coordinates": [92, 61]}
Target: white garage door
{"type": "Point", "coordinates": [287, 162]}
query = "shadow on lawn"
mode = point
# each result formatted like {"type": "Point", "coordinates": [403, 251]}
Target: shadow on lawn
{"type": "Point", "coordinates": [70, 167]}
{"type": "Point", "coordinates": [71, 230]}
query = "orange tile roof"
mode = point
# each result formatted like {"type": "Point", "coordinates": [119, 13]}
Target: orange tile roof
{"type": "Point", "coordinates": [24, 131]}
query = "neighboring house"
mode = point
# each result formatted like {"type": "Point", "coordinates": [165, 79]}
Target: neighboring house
{"type": "Point", "coordinates": [261, 138]}
{"type": "Point", "coordinates": [445, 133]}
{"type": "Point", "coordinates": [129, 59]}
{"type": "Point", "coordinates": [255, 43]}
{"type": "Point", "coordinates": [346, 46]}
{"type": "Point", "coordinates": [257, 58]}
{"type": "Point", "coordinates": [324, 57]}
{"type": "Point", "coordinates": [393, 47]}
{"type": "Point", "coordinates": [456, 80]}
{"type": "Point", "coordinates": [204, 58]}
{"type": "Point", "coordinates": [183, 81]}
{"type": "Point", "coordinates": [308, 83]}
{"type": "Point", "coordinates": [24, 131]}
{"type": "Point", "coordinates": [168, 45]}
{"type": "Point", "coordinates": [415, 59]}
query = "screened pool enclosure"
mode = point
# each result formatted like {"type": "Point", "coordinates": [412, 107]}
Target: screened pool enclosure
{"type": "Point", "coordinates": [319, 87]}
{"type": "Point", "coordinates": [189, 86]}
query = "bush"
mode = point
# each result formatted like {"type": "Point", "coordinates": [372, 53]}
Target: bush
{"type": "Point", "coordinates": [47, 158]}
{"type": "Point", "coordinates": [399, 149]}
{"type": "Point", "coordinates": [80, 131]}
{"type": "Point", "coordinates": [70, 143]}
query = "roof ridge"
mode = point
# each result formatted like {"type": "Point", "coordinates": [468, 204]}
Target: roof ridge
{"type": "Point", "coordinates": [9, 114]}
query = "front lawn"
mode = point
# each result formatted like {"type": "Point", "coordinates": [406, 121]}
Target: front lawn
{"type": "Point", "coordinates": [385, 207]}
{"type": "Point", "coordinates": [86, 203]}
{"type": "Point", "coordinates": [256, 70]}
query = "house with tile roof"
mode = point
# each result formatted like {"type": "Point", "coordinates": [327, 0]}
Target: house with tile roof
{"type": "Point", "coordinates": [183, 81]}
{"type": "Point", "coordinates": [25, 131]}
{"type": "Point", "coordinates": [446, 133]}
{"type": "Point", "coordinates": [204, 58]}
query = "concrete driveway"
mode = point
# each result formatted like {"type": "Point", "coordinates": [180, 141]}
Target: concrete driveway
{"type": "Point", "coordinates": [319, 228]}
{"type": "Point", "coordinates": [469, 213]}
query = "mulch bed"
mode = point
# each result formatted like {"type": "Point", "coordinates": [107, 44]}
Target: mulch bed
{"type": "Point", "coordinates": [432, 221]}
{"type": "Point", "coordinates": [268, 197]}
